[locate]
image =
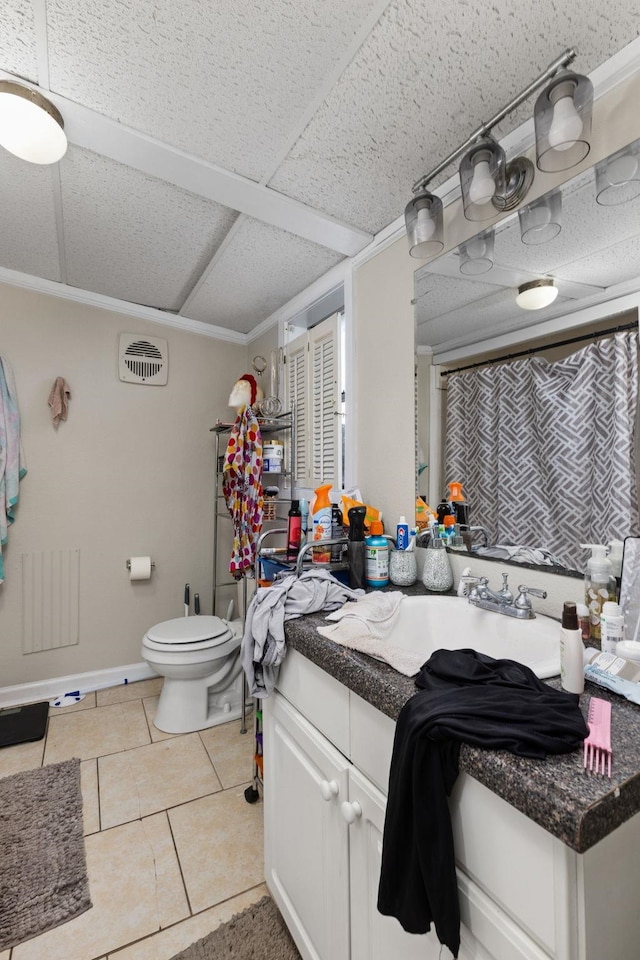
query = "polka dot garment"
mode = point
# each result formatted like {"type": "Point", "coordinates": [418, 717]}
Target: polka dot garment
{"type": "Point", "coordinates": [242, 489]}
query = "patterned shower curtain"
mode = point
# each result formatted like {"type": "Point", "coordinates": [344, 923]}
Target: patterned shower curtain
{"type": "Point", "coordinates": [545, 451]}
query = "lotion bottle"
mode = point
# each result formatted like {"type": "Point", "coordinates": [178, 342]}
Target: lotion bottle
{"type": "Point", "coordinates": [571, 651]}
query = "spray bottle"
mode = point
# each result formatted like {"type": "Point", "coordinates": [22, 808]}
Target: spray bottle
{"type": "Point", "coordinates": [457, 501]}
{"type": "Point", "coordinates": [321, 516]}
{"type": "Point", "coordinates": [599, 585]}
{"type": "Point", "coordinates": [356, 549]}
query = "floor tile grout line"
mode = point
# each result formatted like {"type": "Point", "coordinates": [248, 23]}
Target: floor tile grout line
{"type": "Point", "coordinates": [175, 847]}
{"type": "Point", "coordinates": [113, 953]}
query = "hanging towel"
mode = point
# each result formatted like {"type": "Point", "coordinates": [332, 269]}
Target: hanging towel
{"type": "Point", "coordinates": [12, 463]}
{"type": "Point", "coordinates": [59, 400]}
{"type": "Point", "coordinates": [263, 644]}
{"type": "Point", "coordinates": [366, 626]}
{"type": "Point", "coordinates": [466, 697]}
{"type": "Point", "coordinates": [242, 489]}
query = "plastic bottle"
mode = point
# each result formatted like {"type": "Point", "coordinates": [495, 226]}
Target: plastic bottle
{"type": "Point", "coordinates": [336, 531]}
{"type": "Point", "coordinates": [583, 620]}
{"type": "Point", "coordinates": [377, 556]}
{"type": "Point", "coordinates": [571, 651]}
{"type": "Point", "coordinates": [304, 530]}
{"type": "Point", "coordinates": [611, 627]}
{"type": "Point", "coordinates": [321, 518]}
{"type": "Point", "coordinates": [457, 501]}
{"type": "Point", "coordinates": [599, 585]}
{"type": "Point", "coordinates": [356, 548]}
{"type": "Point", "coordinates": [294, 530]}
{"type": "Point", "coordinates": [402, 534]}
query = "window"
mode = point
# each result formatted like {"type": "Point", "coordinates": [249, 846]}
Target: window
{"type": "Point", "coordinates": [314, 389]}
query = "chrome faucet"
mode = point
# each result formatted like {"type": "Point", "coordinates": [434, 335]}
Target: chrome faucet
{"type": "Point", "coordinates": [502, 601]}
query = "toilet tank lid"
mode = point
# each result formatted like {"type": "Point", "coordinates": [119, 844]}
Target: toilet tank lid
{"type": "Point", "coordinates": [189, 630]}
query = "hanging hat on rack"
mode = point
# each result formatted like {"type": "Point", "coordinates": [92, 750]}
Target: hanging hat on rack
{"type": "Point", "coordinates": [245, 392]}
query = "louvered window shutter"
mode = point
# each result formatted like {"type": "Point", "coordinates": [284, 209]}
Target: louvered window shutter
{"type": "Point", "coordinates": [325, 402]}
{"type": "Point", "coordinates": [313, 365]}
{"type": "Point", "coordinates": [297, 390]}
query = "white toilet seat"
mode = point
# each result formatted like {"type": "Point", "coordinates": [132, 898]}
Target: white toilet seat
{"type": "Point", "coordinates": [187, 634]}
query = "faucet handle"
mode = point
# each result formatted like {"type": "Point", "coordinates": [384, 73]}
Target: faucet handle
{"type": "Point", "coordinates": [522, 601]}
{"type": "Point", "coordinates": [534, 592]}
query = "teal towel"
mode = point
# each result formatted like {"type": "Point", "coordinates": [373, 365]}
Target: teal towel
{"type": "Point", "coordinates": [12, 465]}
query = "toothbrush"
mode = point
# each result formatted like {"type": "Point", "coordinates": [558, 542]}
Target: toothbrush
{"type": "Point", "coordinates": [196, 603]}
{"type": "Point", "coordinates": [186, 599]}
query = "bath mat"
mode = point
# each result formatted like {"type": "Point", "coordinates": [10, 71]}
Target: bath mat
{"type": "Point", "coordinates": [43, 874]}
{"type": "Point", "coordinates": [258, 933]}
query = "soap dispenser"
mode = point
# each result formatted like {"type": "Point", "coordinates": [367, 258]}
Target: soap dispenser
{"type": "Point", "coordinates": [599, 585]}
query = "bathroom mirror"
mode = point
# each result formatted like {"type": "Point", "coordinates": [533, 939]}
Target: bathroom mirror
{"type": "Point", "coordinates": [594, 259]}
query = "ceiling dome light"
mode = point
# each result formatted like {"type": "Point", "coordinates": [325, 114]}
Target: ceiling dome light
{"type": "Point", "coordinates": [30, 126]}
{"type": "Point", "coordinates": [536, 294]}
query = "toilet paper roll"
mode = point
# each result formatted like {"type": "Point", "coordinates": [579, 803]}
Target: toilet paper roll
{"type": "Point", "coordinates": [139, 568]}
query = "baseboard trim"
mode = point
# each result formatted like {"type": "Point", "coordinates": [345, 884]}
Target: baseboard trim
{"type": "Point", "coordinates": [84, 682]}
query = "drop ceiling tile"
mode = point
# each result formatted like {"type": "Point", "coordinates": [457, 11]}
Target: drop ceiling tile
{"type": "Point", "coordinates": [28, 237]}
{"type": "Point", "coordinates": [616, 264]}
{"type": "Point", "coordinates": [229, 82]}
{"type": "Point", "coordinates": [134, 237]}
{"type": "Point", "coordinates": [259, 270]}
{"type": "Point", "coordinates": [426, 77]}
{"type": "Point", "coordinates": [18, 40]}
{"type": "Point", "coordinates": [437, 295]}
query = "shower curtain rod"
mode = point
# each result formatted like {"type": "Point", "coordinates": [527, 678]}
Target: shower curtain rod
{"type": "Point", "coordinates": [549, 346]}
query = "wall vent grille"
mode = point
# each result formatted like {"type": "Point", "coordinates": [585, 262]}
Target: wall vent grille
{"type": "Point", "coordinates": [143, 359]}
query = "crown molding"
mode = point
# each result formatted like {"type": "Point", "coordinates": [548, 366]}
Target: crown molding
{"type": "Point", "coordinates": [62, 291]}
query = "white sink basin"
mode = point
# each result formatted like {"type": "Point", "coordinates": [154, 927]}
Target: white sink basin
{"type": "Point", "coordinates": [433, 623]}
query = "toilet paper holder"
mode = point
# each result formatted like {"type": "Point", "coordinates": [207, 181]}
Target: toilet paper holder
{"type": "Point", "coordinates": [128, 564]}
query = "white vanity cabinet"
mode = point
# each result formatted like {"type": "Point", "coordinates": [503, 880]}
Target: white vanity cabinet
{"type": "Point", "coordinates": [524, 895]}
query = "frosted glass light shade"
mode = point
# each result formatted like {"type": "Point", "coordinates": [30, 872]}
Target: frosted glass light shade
{"type": "Point", "coordinates": [536, 294]}
{"type": "Point", "coordinates": [482, 177]}
{"type": "Point", "coordinates": [541, 220]}
{"type": "Point", "coordinates": [618, 177]}
{"type": "Point", "coordinates": [424, 222]}
{"type": "Point", "coordinates": [30, 126]}
{"type": "Point", "coordinates": [476, 254]}
{"type": "Point", "coordinates": [562, 118]}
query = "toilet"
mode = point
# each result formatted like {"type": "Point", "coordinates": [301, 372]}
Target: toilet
{"type": "Point", "coordinates": [199, 658]}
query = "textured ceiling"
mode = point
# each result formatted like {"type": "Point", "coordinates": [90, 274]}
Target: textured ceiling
{"type": "Point", "coordinates": [224, 156]}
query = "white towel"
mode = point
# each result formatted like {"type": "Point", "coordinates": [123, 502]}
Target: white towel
{"type": "Point", "coordinates": [366, 625]}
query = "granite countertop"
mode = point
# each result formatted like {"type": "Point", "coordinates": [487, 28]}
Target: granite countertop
{"type": "Point", "coordinates": [577, 807]}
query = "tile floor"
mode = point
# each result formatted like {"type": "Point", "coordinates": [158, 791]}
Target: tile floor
{"type": "Point", "coordinates": [173, 848]}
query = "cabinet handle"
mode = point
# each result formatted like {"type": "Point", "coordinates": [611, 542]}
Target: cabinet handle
{"type": "Point", "coordinates": [351, 811]}
{"type": "Point", "coordinates": [329, 789]}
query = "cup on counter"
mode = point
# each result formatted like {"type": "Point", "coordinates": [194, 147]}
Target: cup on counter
{"type": "Point", "coordinates": [403, 568]}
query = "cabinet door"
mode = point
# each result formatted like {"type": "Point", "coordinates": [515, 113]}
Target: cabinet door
{"type": "Point", "coordinates": [374, 937]}
{"type": "Point", "coordinates": [306, 838]}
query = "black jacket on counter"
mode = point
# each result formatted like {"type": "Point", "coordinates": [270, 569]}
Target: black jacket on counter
{"type": "Point", "coordinates": [464, 697]}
